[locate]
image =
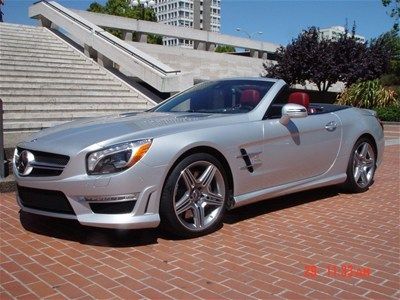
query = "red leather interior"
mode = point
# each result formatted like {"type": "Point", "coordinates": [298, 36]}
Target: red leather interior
{"type": "Point", "coordinates": [250, 97]}
{"type": "Point", "coordinates": [300, 98]}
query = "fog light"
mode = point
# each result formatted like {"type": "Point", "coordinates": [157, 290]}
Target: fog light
{"type": "Point", "coordinates": [114, 198]}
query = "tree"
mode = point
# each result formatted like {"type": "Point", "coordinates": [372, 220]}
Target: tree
{"type": "Point", "coordinates": [324, 62]}
{"type": "Point", "coordinates": [225, 48]}
{"type": "Point", "coordinates": [392, 41]}
{"type": "Point", "coordinates": [394, 7]}
{"type": "Point", "coordinates": [123, 8]}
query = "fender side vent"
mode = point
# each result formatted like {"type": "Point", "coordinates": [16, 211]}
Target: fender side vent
{"type": "Point", "coordinates": [247, 160]}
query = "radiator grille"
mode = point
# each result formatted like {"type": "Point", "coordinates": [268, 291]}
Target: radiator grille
{"type": "Point", "coordinates": [46, 164]}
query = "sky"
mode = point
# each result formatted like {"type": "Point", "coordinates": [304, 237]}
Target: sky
{"type": "Point", "coordinates": [279, 20]}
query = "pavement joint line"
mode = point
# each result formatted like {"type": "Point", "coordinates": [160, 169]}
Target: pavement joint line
{"type": "Point", "coordinates": [392, 142]}
{"type": "Point", "coordinates": [389, 131]}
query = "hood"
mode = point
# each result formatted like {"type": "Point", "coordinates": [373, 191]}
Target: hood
{"type": "Point", "coordinates": [75, 136]}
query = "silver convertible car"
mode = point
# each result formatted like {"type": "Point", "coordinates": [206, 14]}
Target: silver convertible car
{"type": "Point", "coordinates": [216, 146]}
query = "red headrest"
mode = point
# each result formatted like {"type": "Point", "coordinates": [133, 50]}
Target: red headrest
{"type": "Point", "coordinates": [250, 97]}
{"type": "Point", "coordinates": [300, 98]}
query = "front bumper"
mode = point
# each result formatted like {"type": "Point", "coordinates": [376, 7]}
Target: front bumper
{"type": "Point", "coordinates": [144, 181]}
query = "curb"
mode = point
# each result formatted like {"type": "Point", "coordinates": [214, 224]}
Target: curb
{"type": "Point", "coordinates": [8, 185]}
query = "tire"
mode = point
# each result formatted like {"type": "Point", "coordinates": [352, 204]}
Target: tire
{"type": "Point", "coordinates": [194, 197]}
{"type": "Point", "coordinates": [361, 167]}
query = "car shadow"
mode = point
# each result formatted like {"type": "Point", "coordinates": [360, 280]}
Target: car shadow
{"type": "Point", "coordinates": [71, 230]}
{"type": "Point", "coordinates": [279, 203]}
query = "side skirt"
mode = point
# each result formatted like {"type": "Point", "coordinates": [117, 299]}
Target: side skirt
{"type": "Point", "coordinates": [285, 189]}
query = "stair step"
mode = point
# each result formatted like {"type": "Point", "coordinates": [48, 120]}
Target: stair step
{"type": "Point", "coordinates": [51, 70]}
{"type": "Point", "coordinates": [13, 45]}
{"type": "Point", "coordinates": [29, 51]}
{"type": "Point", "coordinates": [20, 27]}
{"type": "Point", "coordinates": [52, 74]}
{"type": "Point", "coordinates": [47, 64]}
{"type": "Point", "coordinates": [61, 92]}
{"type": "Point", "coordinates": [59, 116]}
{"type": "Point", "coordinates": [31, 126]}
{"type": "Point", "coordinates": [60, 60]}
{"type": "Point", "coordinates": [69, 86]}
{"type": "Point", "coordinates": [37, 31]}
{"type": "Point", "coordinates": [24, 33]}
{"type": "Point", "coordinates": [10, 81]}
{"type": "Point", "coordinates": [131, 98]}
{"type": "Point", "coordinates": [53, 42]}
{"type": "Point", "coordinates": [52, 55]}
{"type": "Point", "coordinates": [81, 106]}
{"type": "Point", "coordinates": [11, 36]}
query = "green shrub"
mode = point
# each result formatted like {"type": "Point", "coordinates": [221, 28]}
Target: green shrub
{"type": "Point", "coordinates": [390, 80]}
{"type": "Point", "coordinates": [368, 94]}
{"type": "Point", "coordinates": [389, 113]}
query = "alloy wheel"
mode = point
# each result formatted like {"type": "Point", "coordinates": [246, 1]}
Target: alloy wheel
{"type": "Point", "coordinates": [363, 164]}
{"type": "Point", "coordinates": [199, 195]}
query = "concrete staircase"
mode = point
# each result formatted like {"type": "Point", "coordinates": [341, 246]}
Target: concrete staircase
{"type": "Point", "coordinates": [45, 81]}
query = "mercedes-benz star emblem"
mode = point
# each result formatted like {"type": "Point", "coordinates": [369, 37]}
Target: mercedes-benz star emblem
{"type": "Point", "coordinates": [23, 163]}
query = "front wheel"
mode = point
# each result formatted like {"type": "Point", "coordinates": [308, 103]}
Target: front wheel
{"type": "Point", "coordinates": [361, 167]}
{"type": "Point", "coordinates": [194, 196]}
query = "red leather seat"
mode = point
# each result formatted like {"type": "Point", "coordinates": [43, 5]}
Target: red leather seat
{"type": "Point", "coordinates": [300, 98]}
{"type": "Point", "coordinates": [250, 98]}
{"type": "Point", "coordinates": [303, 99]}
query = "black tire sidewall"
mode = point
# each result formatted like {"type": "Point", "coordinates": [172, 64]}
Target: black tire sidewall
{"type": "Point", "coordinates": [169, 219]}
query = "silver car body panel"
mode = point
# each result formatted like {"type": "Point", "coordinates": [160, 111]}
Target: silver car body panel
{"type": "Point", "coordinates": [307, 153]}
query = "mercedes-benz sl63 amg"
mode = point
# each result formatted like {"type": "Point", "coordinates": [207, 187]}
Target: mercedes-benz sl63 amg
{"type": "Point", "coordinates": [216, 146]}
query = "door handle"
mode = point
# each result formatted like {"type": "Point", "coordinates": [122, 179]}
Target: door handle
{"type": "Point", "coordinates": [331, 126]}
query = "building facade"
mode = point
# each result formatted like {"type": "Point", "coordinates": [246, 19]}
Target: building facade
{"type": "Point", "coordinates": [197, 14]}
{"type": "Point", "coordinates": [335, 32]}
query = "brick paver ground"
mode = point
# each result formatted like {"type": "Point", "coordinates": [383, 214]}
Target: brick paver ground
{"type": "Point", "coordinates": [299, 246]}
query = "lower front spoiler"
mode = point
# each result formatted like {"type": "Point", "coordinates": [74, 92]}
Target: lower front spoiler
{"type": "Point", "coordinates": [118, 221]}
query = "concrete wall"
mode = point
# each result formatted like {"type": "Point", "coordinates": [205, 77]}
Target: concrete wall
{"type": "Point", "coordinates": [202, 64]}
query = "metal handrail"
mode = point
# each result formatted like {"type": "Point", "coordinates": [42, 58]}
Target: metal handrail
{"type": "Point", "coordinates": [96, 32]}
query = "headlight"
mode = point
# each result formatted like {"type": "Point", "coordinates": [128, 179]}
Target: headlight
{"type": "Point", "coordinates": [117, 158]}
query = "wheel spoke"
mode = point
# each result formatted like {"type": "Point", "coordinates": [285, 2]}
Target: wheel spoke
{"type": "Point", "coordinates": [364, 179]}
{"type": "Point", "coordinates": [198, 215]}
{"type": "Point", "coordinates": [206, 178]}
{"type": "Point", "coordinates": [183, 204]}
{"type": "Point", "coordinates": [364, 150]}
{"type": "Point", "coordinates": [213, 199]}
{"type": "Point", "coordinates": [357, 173]}
{"type": "Point", "coordinates": [369, 162]}
{"type": "Point", "coordinates": [189, 179]}
{"type": "Point", "coordinates": [357, 158]}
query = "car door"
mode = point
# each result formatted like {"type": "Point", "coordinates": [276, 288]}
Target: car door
{"type": "Point", "coordinates": [305, 148]}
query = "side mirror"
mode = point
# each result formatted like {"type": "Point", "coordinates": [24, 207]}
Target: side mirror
{"type": "Point", "coordinates": [292, 110]}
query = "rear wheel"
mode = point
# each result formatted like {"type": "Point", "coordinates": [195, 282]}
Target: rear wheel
{"type": "Point", "coordinates": [194, 196]}
{"type": "Point", "coordinates": [361, 167]}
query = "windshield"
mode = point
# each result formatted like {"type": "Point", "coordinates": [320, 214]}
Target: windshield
{"type": "Point", "coordinates": [224, 96]}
